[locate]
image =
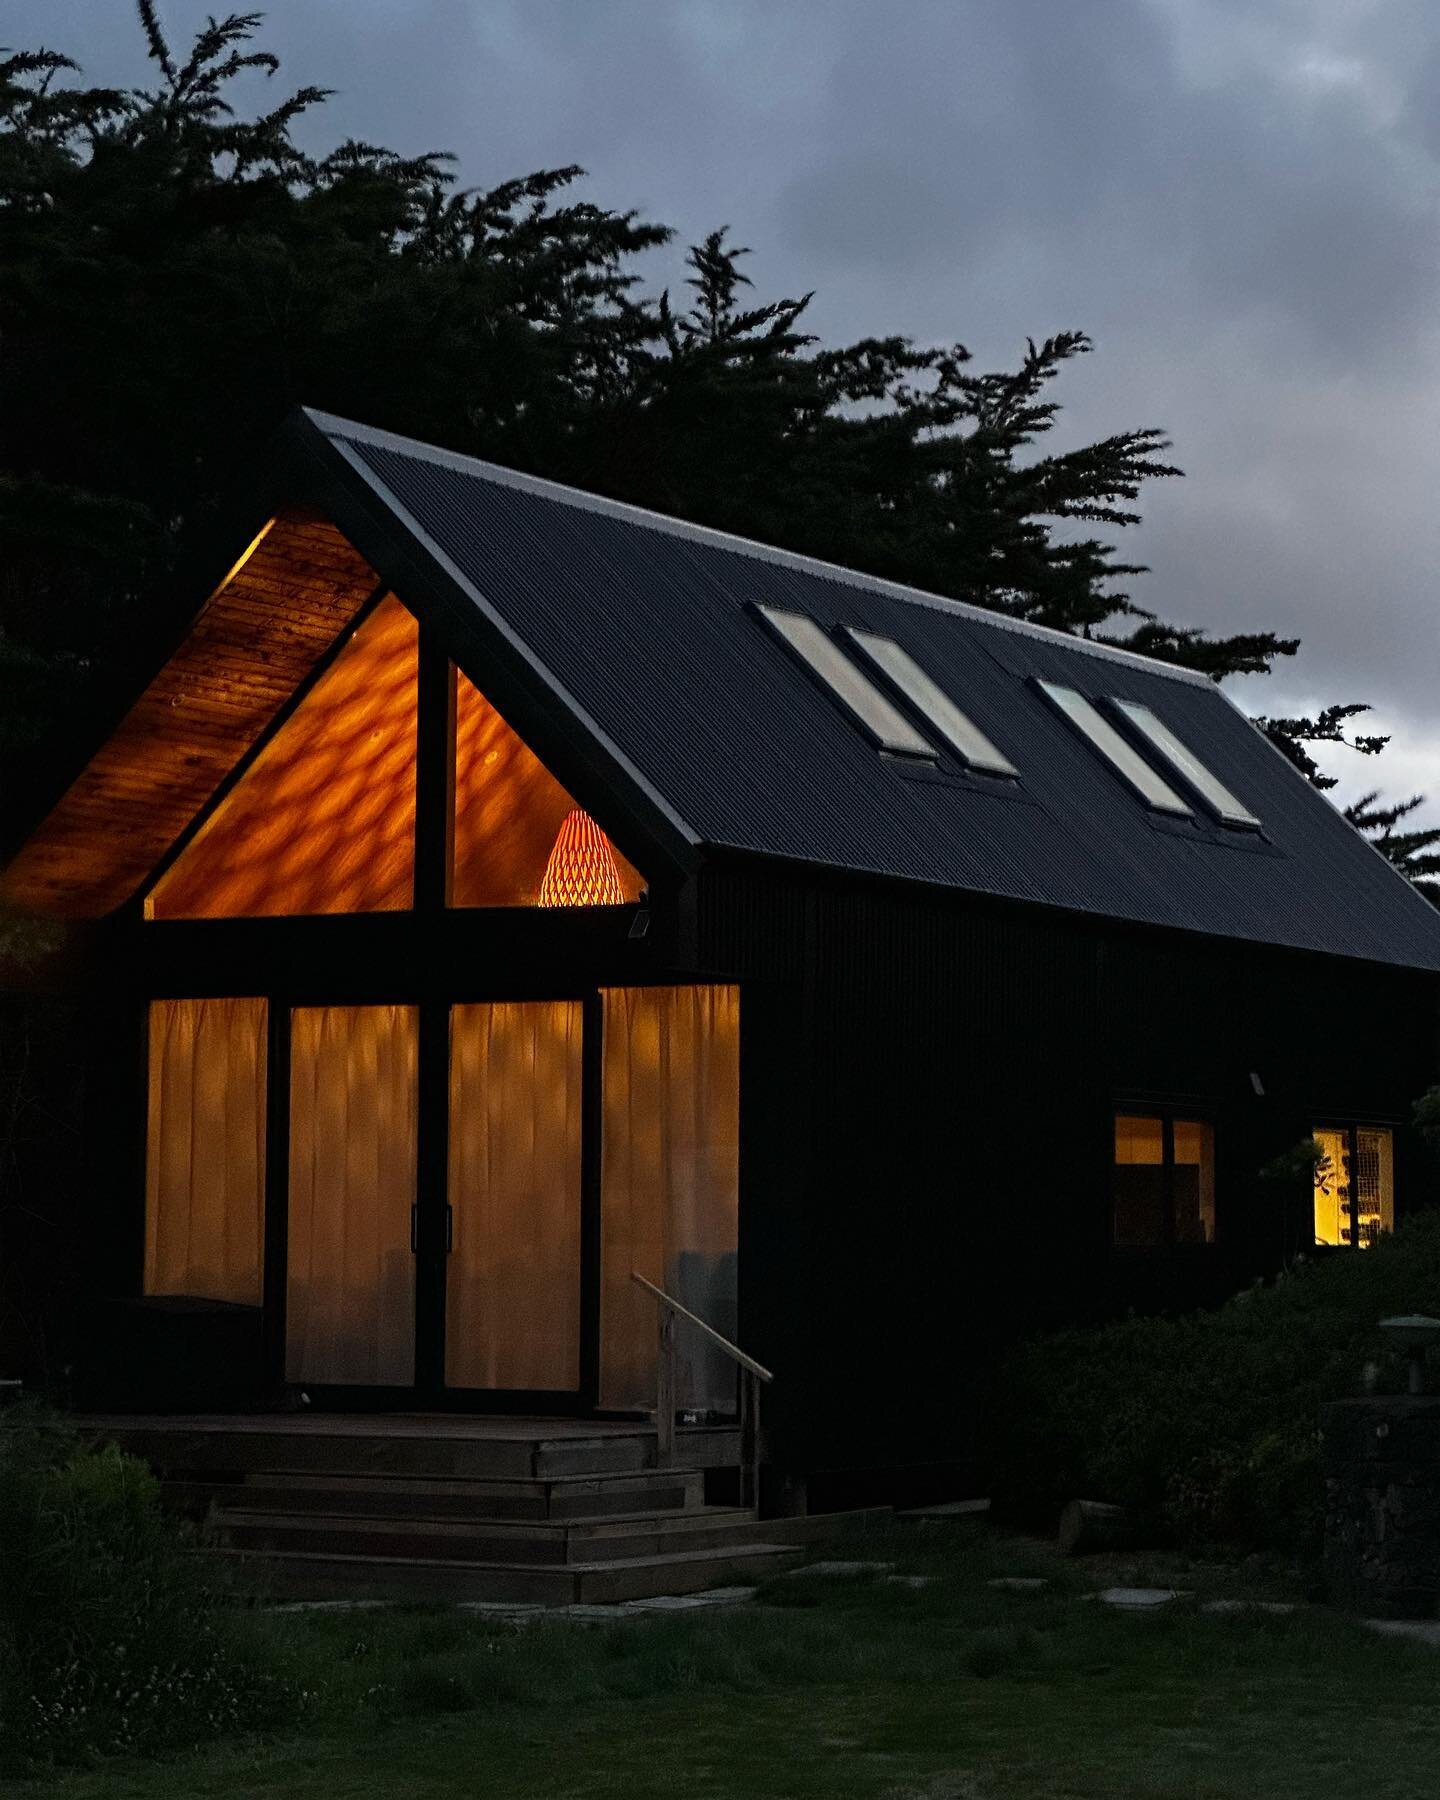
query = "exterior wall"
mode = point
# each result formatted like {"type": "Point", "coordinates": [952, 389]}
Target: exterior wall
{"type": "Point", "coordinates": [927, 1107]}
{"type": "Point", "coordinates": [927, 1093]}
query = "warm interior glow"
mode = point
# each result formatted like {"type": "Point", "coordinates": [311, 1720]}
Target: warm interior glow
{"type": "Point", "coordinates": [512, 1279]}
{"type": "Point", "coordinates": [1156, 1202]}
{"type": "Point", "coordinates": [670, 1185]}
{"type": "Point", "coordinates": [205, 1149]}
{"type": "Point", "coordinates": [581, 870]}
{"type": "Point", "coordinates": [350, 1293]}
{"type": "Point", "coordinates": [509, 811]}
{"type": "Point", "coordinates": [324, 819]}
{"type": "Point", "coordinates": [1368, 1186]}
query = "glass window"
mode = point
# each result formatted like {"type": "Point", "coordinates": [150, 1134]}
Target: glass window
{"type": "Point", "coordinates": [1108, 741]}
{"type": "Point", "coordinates": [1163, 1181]}
{"type": "Point", "coordinates": [519, 839]}
{"type": "Point", "coordinates": [930, 698]}
{"type": "Point", "coordinates": [323, 821]}
{"type": "Point", "coordinates": [1354, 1185]}
{"type": "Point", "coordinates": [884, 722]}
{"type": "Point", "coordinates": [1209, 787]}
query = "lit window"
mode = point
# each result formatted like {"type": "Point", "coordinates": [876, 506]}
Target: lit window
{"type": "Point", "coordinates": [884, 722]}
{"type": "Point", "coordinates": [1108, 741]}
{"type": "Point", "coordinates": [965, 737]}
{"type": "Point", "coordinates": [1354, 1185]}
{"type": "Point", "coordinates": [1163, 1181]}
{"type": "Point", "coordinates": [1209, 787]}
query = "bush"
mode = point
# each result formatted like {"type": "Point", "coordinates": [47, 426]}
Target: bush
{"type": "Point", "coordinates": [1207, 1424]}
{"type": "Point", "coordinates": [114, 1634]}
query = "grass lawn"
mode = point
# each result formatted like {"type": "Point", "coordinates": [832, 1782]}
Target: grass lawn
{"type": "Point", "coordinates": [838, 1686]}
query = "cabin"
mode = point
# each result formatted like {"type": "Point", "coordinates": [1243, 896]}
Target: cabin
{"type": "Point", "coordinates": [518, 926]}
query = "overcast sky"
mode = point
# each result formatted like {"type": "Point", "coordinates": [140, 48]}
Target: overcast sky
{"type": "Point", "coordinates": [1238, 199]}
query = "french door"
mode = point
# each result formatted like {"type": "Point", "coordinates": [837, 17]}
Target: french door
{"type": "Point", "coordinates": [459, 1269]}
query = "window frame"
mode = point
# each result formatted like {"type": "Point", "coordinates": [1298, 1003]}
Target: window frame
{"type": "Point", "coordinates": [1351, 1126]}
{"type": "Point", "coordinates": [1086, 720]}
{"type": "Point", "coordinates": [1169, 1114]}
{"type": "Point", "coordinates": [846, 684]}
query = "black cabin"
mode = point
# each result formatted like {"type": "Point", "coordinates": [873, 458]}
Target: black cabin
{"type": "Point", "coordinates": [499, 893]}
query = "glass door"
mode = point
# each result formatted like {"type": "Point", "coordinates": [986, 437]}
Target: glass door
{"type": "Point", "coordinates": [350, 1288]}
{"type": "Point", "coordinates": [513, 1272]}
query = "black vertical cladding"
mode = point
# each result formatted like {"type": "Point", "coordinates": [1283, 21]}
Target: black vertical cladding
{"type": "Point", "coordinates": [928, 1094]}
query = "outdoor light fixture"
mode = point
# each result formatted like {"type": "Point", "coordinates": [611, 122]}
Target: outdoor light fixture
{"type": "Point", "coordinates": [581, 870]}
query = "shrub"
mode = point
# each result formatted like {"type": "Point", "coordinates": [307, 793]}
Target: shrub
{"type": "Point", "coordinates": [1208, 1424]}
{"type": "Point", "coordinates": [114, 1634]}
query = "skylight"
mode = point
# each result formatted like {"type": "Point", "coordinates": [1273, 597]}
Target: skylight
{"type": "Point", "coordinates": [965, 737]}
{"type": "Point", "coordinates": [1209, 787]}
{"type": "Point", "coordinates": [1108, 741]}
{"type": "Point", "coordinates": [889, 727]}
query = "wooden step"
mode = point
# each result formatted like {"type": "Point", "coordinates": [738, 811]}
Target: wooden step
{"type": "Point", "coordinates": [490, 1541]}
{"type": "Point", "coordinates": [316, 1576]}
{"type": "Point", "coordinates": [421, 1445]}
{"type": "Point", "coordinates": [428, 1497]}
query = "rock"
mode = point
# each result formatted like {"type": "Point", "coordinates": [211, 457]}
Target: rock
{"type": "Point", "coordinates": [1088, 1525]}
{"type": "Point", "coordinates": [1020, 1584]}
{"type": "Point", "coordinates": [1137, 1599]}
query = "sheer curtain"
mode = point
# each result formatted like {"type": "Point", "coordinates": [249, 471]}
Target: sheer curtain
{"type": "Point", "coordinates": [670, 1191]}
{"type": "Point", "coordinates": [350, 1311]}
{"type": "Point", "coordinates": [512, 1313]}
{"type": "Point", "coordinates": [205, 1149]}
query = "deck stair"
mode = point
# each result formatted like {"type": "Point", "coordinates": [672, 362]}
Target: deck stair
{"type": "Point", "coordinates": [553, 1512]}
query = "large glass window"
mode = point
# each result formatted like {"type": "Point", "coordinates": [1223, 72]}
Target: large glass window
{"type": "Point", "coordinates": [205, 1149]}
{"type": "Point", "coordinates": [323, 821]}
{"type": "Point", "coordinates": [1163, 1181]}
{"type": "Point", "coordinates": [1354, 1185]}
{"type": "Point", "coordinates": [670, 1187]}
{"type": "Point", "coordinates": [519, 837]}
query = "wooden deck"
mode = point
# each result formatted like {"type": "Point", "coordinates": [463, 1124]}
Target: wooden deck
{"type": "Point", "coordinates": [454, 1507]}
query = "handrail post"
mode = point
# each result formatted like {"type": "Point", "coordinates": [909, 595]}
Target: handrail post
{"type": "Point", "coordinates": [665, 1392]}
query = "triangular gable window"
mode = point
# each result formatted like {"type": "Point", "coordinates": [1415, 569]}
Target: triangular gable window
{"type": "Point", "coordinates": [519, 837]}
{"type": "Point", "coordinates": [323, 820]}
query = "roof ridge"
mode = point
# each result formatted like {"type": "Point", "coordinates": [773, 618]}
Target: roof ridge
{"type": "Point", "coordinates": [334, 426]}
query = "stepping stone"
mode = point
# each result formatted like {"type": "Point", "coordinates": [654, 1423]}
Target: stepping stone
{"type": "Point", "coordinates": [1278, 1607]}
{"type": "Point", "coordinates": [327, 1606]}
{"type": "Point", "coordinates": [1127, 1599]}
{"type": "Point", "coordinates": [1019, 1584]}
{"type": "Point", "coordinates": [842, 1568]}
{"type": "Point", "coordinates": [501, 1609]}
{"type": "Point", "coordinates": [712, 1597]}
{"type": "Point", "coordinates": [1422, 1631]}
{"type": "Point", "coordinates": [910, 1581]}
{"type": "Point", "coordinates": [949, 1509]}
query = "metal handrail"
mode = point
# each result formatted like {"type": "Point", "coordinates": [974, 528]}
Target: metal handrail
{"type": "Point", "coordinates": [752, 1374]}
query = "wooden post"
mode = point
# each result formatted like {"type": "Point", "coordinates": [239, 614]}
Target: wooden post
{"type": "Point", "coordinates": [665, 1392]}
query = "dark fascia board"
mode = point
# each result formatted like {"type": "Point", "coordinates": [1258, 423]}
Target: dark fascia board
{"type": "Point", "coordinates": [327, 476]}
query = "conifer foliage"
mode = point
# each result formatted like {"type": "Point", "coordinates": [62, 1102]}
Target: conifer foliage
{"type": "Point", "coordinates": [175, 275]}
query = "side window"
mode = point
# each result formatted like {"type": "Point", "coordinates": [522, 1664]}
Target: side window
{"type": "Point", "coordinates": [1354, 1185]}
{"type": "Point", "coordinates": [1162, 1181]}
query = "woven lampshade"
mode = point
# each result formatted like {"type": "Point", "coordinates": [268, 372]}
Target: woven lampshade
{"type": "Point", "coordinates": [581, 870]}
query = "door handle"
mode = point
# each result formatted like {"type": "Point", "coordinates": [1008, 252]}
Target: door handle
{"type": "Point", "coordinates": [449, 1229]}
{"type": "Point", "coordinates": [414, 1230]}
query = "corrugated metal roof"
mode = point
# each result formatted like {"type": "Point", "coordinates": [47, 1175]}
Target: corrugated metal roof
{"type": "Point", "coordinates": [641, 624]}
